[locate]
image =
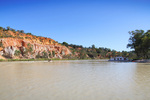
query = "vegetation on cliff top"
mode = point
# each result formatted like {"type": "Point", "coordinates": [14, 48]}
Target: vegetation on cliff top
{"type": "Point", "coordinates": [20, 34]}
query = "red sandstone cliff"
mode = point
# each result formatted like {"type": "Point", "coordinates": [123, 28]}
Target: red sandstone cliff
{"type": "Point", "coordinates": [21, 45]}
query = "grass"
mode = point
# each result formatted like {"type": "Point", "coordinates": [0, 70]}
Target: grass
{"type": "Point", "coordinates": [39, 59]}
{"type": "Point", "coordinates": [1, 60]}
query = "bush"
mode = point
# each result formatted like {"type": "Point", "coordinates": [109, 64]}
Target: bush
{"type": "Point", "coordinates": [1, 28]}
{"type": "Point", "coordinates": [45, 55]}
{"type": "Point", "coordinates": [26, 37]}
{"type": "Point", "coordinates": [38, 56]}
{"type": "Point", "coordinates": [30, 48]}
{"type": "Point", "coordinates": [1, 44]}
{"type": "Point", "coordinates": [21, 31]}
{"type": "Point", "coordinates": [50, 55]}
{"type": "Point", "coordinates": [13, 30]}
{"type": "Point", "coordinates": [41, 40]}
{"type": "Point", "coordinates": [1, 60]}
{"type": "Point", "coordinates": [65, 43]}
{"type": "Point", "coordinates": [28, 33]}
{"type": "Point", "coordinates": [17, 52]}
{"type": "Point", "coordinates": [8, 28]}
{"type": "Point", "coordinates": [53, 53]}
{"type": "Point", "coordinates": [49, 41]}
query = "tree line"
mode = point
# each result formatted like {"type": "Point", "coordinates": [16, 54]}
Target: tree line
{"type": "Point", "coordinates": [93, 52]}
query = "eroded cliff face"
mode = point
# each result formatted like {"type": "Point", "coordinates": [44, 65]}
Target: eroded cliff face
{"type": "Point", "coordinates": [19, 45]}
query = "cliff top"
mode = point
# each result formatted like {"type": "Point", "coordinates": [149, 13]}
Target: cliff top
{"type": "Point", "coordinates": [19, 34]}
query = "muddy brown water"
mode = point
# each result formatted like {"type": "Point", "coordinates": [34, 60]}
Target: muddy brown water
{"type": "Point", "coordinates": [74, 80]}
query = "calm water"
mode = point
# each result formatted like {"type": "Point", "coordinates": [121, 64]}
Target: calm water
{"type": "Point", "coordinates": [74, 80]}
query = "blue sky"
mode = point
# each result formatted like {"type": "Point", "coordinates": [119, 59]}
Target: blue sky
{"type": "Point", "coordinates": [104, 23]}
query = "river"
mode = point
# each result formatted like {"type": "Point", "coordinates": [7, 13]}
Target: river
{"type": "Point", "coordinates": [74, 80]}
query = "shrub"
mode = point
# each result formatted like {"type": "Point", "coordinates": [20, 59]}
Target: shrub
{"type": "Point", "coordinates": [29, 49]}
{"type": "Point", "coordinates": [50, 55]}
{"type": "Point", "coordinates": [17, 52]}
{"type": "Point", "coordinates": [4, 29]}
{"type": "Point", "coordinates": [26, 37]}
{"type": "Point", "coordinates": [49, 41]}
{"type": "Point", "coordinates": [41, 40]}
{"type": "Point", "coordinates": [1, 59]}
{"type": "Point", "coordinates": [21, 31]}
{"type": "Point", "coordinates": [38, 56]}
{"type": "Point", "coordinates": [28, 33]}
{"type": "Point", "coordinates": [65, 43]}
{"type": "Point", "coordinates": [13, 30]}
{"type": "Point", "coordinates": [45, 55]}
{"type": "Point", "coordinates": [53, 53]}
{"type": "Point", "coordinates": [1, 28]}
{"type": "Point", "coordinates": [8, 28]}
{"type": "Point", "coordinates": [1, 44]}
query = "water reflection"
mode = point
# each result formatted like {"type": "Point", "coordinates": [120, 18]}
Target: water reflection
{"type": "Point", "coordinates": [74, 80]}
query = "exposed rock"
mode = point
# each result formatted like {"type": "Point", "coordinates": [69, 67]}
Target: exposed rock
{"type": "Point", "coordinates": [30, 49]}
{"type": "Point", "coordinates": [16, 44]}
{"type": "Point", "coordinates": [9, 51]}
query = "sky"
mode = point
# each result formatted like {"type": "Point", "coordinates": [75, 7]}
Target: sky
{"type": "Point", "coordinates": [104, 23]}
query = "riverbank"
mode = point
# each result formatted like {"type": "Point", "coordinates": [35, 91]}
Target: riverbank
{"type": "Point", "coordinates": [42, 59]}
{"type": "Point", "coordinates": [54, 59]}
{"type": "Point", "coordinates": [8, 60]}
{"type": "Point", "coordinates": [142, 61]}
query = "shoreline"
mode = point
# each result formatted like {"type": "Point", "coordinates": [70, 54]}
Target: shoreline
{"type": "Point", "coordinates": [54, 59]}
{"type": "Point", "coordinates": [142, 61]}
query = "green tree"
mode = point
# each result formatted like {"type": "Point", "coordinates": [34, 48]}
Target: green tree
{"type": "Point", "coordinates": [146, 44]}
{"type": "Point", "coordinates": [93, 46]}
{"type": "Point", "coordinates": [140, 42]}
{"type": "Point", "coordinates": [113, 53]}
{"type": "Point", "coordinates": [125, 53]}
{"type": "Point", "coordinates": [8, 28]}
{"type": "Point", "coordinates": [82, 54]}
{"type": "Point", "coordinates": [65, 43]}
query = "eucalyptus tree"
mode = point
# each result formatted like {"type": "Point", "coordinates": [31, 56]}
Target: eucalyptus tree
{"type": "Point", "coordinates": [140, 42]}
